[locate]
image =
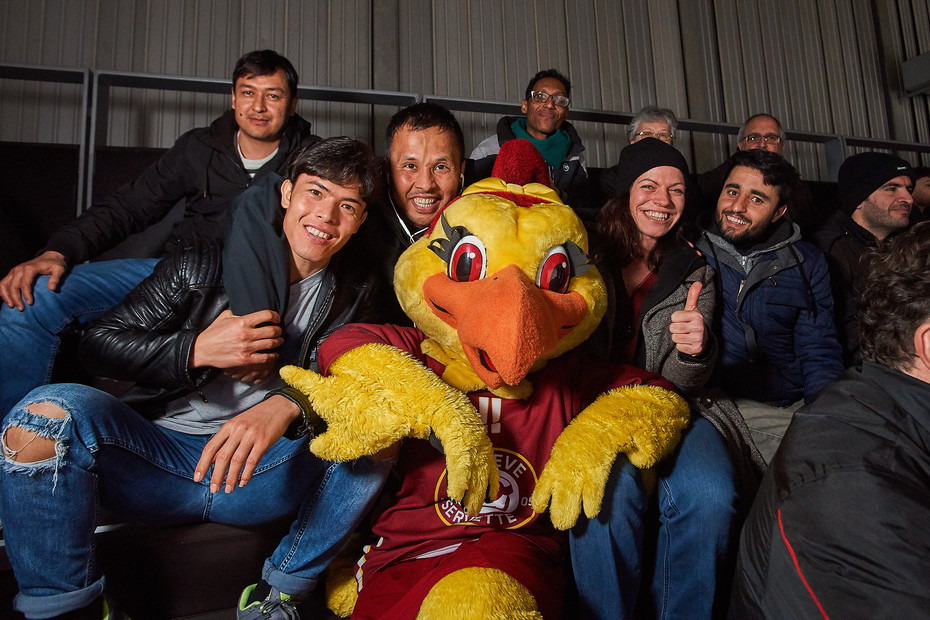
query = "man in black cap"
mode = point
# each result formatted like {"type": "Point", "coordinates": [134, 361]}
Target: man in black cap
{"type": "Point", "coordinates": [875, 202]}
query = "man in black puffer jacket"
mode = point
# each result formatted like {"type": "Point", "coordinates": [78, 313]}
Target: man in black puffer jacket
{"type": "Point", "coordinates": [208, 411]}
{"type": "Point", "coordinates": [206, 168]}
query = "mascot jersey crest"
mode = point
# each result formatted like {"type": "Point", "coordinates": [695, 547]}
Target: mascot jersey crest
{"type": "Point", "coordinates": [502, 293]}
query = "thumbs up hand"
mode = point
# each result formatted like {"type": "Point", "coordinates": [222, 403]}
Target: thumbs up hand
{"type": "Point", "coordinates": [687, 327]}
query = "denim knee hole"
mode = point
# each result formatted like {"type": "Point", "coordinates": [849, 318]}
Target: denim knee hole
{"type": "Point", "coordinates": [41, 426]}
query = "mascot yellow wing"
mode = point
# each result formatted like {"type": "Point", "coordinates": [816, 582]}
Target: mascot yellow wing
{"type": "Point", "coordinates": [376, 395]}
{"type": "Point", "coordinates": [643, 422]}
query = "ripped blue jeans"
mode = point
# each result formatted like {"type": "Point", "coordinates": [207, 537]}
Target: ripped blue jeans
{"type": "Point", "coordinates": [108, 455]}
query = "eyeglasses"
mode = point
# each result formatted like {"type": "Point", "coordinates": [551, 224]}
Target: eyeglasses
{"type": "Point", "coordinates": [664, 136]}
{"type": "Point", "coordinates": [541, 96]}
{"type": "Point", "coordinates": [756, 138]}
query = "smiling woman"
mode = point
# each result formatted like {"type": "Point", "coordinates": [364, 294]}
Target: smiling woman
{"type": "Point", "coordinates": [660, 302]}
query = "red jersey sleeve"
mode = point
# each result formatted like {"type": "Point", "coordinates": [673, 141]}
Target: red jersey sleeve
{"type": "Point", "coordinates": [355, 335]}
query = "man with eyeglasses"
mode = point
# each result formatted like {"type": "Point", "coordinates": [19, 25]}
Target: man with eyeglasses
{"type": "Point", "coordinates": [764, 131]}
{"type": "Point", "coordinates": [545, 104]}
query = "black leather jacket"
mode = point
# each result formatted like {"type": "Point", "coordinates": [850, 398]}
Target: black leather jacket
{"type": "Point", "coordinates": [149, 336]}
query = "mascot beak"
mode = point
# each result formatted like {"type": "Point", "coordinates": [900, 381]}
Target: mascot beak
{"type": "Point", "coordinates": [505, 323]}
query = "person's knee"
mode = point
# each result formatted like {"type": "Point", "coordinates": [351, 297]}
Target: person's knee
{"type": "Point", "coordinates": [719, 496]}
{"type": "Point", "coordinates": [36, 442]}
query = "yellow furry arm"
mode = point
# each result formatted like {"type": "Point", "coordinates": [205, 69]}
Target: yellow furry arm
{"type": "Point", "coordinates": [644, 422]}
{"type": "Point", "coordinates": [377, 394]}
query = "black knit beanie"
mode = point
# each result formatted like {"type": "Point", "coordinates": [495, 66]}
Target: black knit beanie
{"type": "Point", "coordinates": [644, 155]}
{"type": "Point", "coordinates": [862, 174]}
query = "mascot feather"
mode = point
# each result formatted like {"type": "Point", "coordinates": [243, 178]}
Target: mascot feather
{"type": "Point", "coordinates": [501, 291]}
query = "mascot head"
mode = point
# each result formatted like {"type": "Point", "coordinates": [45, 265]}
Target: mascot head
{"type": "Point", "coordinates": [501, 282]}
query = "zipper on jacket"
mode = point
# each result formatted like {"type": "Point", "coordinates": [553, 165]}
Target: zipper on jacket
{"type": "Point", "coordinates": [319, 318]}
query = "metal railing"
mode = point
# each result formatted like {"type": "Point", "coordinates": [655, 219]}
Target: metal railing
{"type": "Point", "coordinates": [61, 75]}
{"type": "Point", "coordinates": [96, 87]}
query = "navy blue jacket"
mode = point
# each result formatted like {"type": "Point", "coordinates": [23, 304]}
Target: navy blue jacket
{"type": "Point", "coordinates": [778, 341]}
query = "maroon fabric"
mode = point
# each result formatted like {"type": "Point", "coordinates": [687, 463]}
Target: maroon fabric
{"type": "Point", "coordinates": [397, 591]}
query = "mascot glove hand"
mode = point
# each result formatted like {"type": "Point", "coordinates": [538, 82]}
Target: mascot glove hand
{"type": "Point", "coordinates": [644, 422]}
{"type": "Point", "coordinates": [377, 394]}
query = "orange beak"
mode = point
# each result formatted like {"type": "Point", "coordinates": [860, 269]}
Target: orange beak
{"type": "Point", "coordinates": [505, 323]}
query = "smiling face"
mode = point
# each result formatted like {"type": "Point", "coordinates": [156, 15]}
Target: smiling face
{"type": "Point", "coordinates": [544, 119]}
{"type": "Point", "coordinates": [657, 200]}
{"type": "Point", "coordinates": [747, 206]}
{"type": "Point", "coordinates": [320, 217]}
{"type": "Point", "coordinates": [887, 209]}
{"type": "Point", "coordinates": [262, 105]}
{"type": "Point", "coordinates": [493, 296]}
{"type": "Point", "coordinates": [426, 172]}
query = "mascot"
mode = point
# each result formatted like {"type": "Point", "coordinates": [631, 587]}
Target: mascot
{"type": "Point", "coordinates": [501, 292]}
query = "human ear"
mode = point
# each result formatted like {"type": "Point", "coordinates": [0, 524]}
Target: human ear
{"type": "Point", "coordinates": [922, 345]}
{"type": "Point", "coordinates": [286, 189]}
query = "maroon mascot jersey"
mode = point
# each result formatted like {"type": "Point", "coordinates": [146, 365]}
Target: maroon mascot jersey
{"type": "Point", "coordinates": [423, 523]}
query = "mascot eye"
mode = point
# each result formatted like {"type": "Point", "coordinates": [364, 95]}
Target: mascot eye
{"type": "Point", "coordinates": [555, 271]}
{"type": "Point", "coordinates": [468, 261]}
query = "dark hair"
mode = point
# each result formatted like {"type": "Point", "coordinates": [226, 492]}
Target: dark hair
{"type": "Point", "coordinates": [341, 160]}
{"type": "Point", "coordinates": [895, 298]}
{"type": "Point", "coordinates": [615, 223]}
{"type": "Point", "coordinates": [420, 116]}
{"type": "Point", "coordinates": [548, 73]}
{"type": "Point", "coordinates": [921, 172]}
{"type": "Point", "coordinates": [775, 169]}
{"type": "Point", "coordinates": [265, 62]}
{"type": "Point", "coordinates": [742, 130]}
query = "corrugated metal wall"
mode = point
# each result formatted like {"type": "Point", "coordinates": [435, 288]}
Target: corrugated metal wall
{"type": "Point", "coordinates": [828, 66]}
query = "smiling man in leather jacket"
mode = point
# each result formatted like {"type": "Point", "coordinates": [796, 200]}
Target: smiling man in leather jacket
{"type": "Point", "coordinates": [208, 432]}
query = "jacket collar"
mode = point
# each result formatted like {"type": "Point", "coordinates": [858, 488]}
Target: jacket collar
{"type": "Point", "coordinates": [909, 393]}
{"type": "Point", "coordinates": [784, 234]}
{"type": "Point", "coordinates": [505, 133]}
{"type": "Point", "coordinates": [854, 230]}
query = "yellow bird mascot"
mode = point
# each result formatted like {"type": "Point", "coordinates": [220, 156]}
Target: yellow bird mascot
{"type": "Point", "coordinates": [501, 291]}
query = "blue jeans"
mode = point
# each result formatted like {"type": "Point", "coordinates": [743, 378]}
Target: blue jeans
{"type": "Point", "coordinates": [697, 517]}
{"type": "Point", "coordinates": [30, 339]}
{"type": "Point", "coordinates": [108, 454]}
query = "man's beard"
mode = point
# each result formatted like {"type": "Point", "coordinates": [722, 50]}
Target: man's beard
{"type": "Point", "coordinates": [746, 238]}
